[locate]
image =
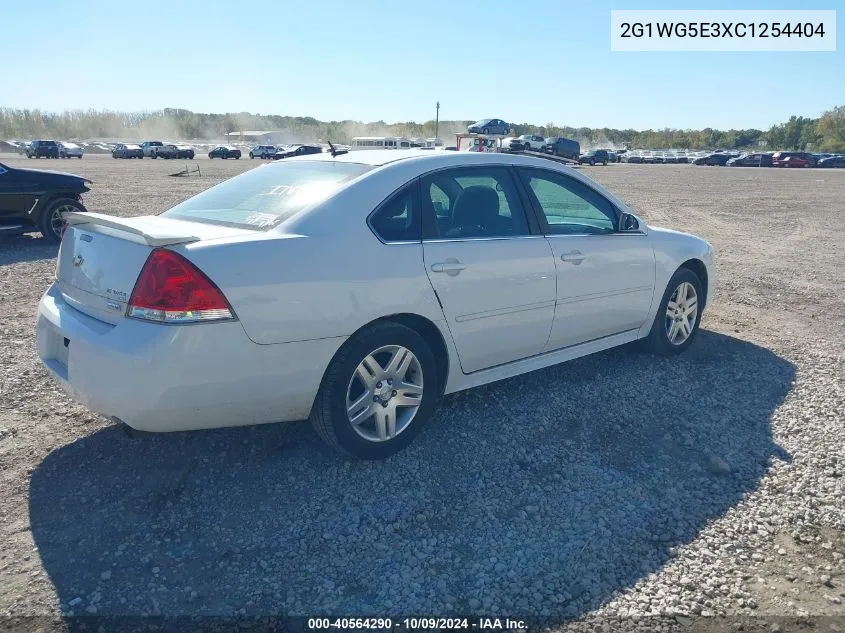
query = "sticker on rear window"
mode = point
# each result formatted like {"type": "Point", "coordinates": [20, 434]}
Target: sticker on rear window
{"type": "Point", "coordinates": [261, 219]}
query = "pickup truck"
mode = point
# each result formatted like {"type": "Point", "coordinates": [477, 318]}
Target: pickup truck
{"type": "Point", "coordinates": [150, 148]}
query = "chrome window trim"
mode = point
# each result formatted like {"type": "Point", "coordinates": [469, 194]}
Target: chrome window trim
{"type": "Point", "coordinates": [484, 239]}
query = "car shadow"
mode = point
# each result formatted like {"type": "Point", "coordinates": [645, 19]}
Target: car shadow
{"type": "Point", "coordinates": [543, 495]}
{"type": "Point", "coordinates": [29, 247]}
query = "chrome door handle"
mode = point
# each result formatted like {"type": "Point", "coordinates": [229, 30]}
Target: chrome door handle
{"type": "Point", "coordinates": [450, 267]}
{"type": "Point", "coordinates": [574, 257]}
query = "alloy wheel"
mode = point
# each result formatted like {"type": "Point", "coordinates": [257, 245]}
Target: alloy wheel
{"type": "Point", "coordinates": [681, 313]}
{"type": "Point", "coordinates": [57, 222]}
{"type": "Point", "coordinates": [385, 392]}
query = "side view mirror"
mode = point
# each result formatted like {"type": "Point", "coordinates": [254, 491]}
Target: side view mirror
{"type": "Point", "coordinates": [628, 223]}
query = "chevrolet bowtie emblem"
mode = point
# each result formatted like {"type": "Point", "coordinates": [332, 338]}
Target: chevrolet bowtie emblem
{"type": "Point", "coordinates": [77, 261]}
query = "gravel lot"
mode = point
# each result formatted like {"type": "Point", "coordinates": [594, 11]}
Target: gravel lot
{"type": "Point", "coordinates": [615, 491]}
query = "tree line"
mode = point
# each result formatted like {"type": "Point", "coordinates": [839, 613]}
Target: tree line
{"type": "Point", "coordinates": [825, 133]}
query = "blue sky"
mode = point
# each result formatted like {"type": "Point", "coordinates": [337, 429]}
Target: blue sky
{"type": "Point", "coordinates": [536, 61]}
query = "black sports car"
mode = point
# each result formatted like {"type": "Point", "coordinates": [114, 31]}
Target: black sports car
{"type": "Point", "coordinates": [225, 151]}
{"type": "Point", "coordinates": [296, 150]}
{"type": "Point", "coordinates": [832, 161]}
{"type": "Point", "coordinates": [34, 200]}
{"type": "Point", "coordinates": [174, 151]}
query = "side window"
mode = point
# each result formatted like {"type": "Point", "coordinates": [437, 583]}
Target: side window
{"type": "Point", "coordinates": [570, 207]}
{"type": "Point", "coordinates": [473, 202]}
{"type": "Point", "coordinates": [440, 201]}
{"type": "Point", "coordinates": [397, 218]}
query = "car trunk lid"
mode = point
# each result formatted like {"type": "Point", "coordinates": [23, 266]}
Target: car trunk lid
{"type": "Point", "coordinates": [101, 256]}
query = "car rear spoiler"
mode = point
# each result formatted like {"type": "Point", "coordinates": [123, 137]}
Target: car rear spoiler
{"type": "Point", "coordinates": [153, 230]}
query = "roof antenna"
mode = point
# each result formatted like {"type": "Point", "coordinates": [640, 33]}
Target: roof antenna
{"type": "Point", "coordinates": [335, 152]}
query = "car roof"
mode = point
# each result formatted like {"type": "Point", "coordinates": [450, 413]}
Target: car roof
{"type": "Point", "coordinates": [428, 160]}
{"type": "Point", "coordinates": [436, 158]}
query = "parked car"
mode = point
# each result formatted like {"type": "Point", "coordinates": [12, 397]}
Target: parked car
{"type": "Point", "coordinates": [150, 147]}
{"type": "Point", "coordinates": [196, 293]}
{"type": "Point", "coordinates": [594, 156]}
{"type": "Point", "coordinates": [512, 144]}
{"type": "Point", "coordinates": [127, 150]}
{"type": "Point", "coordinates": [780, 157]}
{"type": "Point", "coordinates": [632, 158]}
{"type": "Point", "coordinates": [832, 161]}
{"type": "Point", "coordinates": [757, 159]}
{"type": "Point", "coordinates": [793, 161]}
{"type": "Point", "coordinates": [173, 151]}
{"type": "Point", "coordinates": [533, 142]}
{"type": "Point", "coordinates": [712, 159]}
{"type": "Point", "coordinates": [489, 126]}
{"type": "Point", "coordinates": [296, 150]}
{"type": "Point", "coordinates": [563, 147]}
{"type": "Point", "coordinates": [69, 150]}
{"type": "Point", "coordinates": [262, 151]}
{"type": "Point", "coordinates": [36, 200]}
{"type": "Point", "coordinates": [225, 151]}
{"type": "Point", "coordinates": [165, 150]}
{"type": "Point", "coordinates": [42, 149]}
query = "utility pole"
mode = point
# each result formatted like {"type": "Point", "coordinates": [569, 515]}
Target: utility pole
{"type": "Point", "coordinates": [437, 120]}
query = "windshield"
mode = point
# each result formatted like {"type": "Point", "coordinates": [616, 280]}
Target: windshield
{"type": "Point", "coordinates": [264, 197]}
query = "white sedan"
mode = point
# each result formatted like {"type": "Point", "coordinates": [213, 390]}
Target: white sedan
{"type": "Point", "coordinates": [356, 289]}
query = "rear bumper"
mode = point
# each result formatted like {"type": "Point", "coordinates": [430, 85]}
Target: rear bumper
{"type": "Point", "coordinates": [175, 378]}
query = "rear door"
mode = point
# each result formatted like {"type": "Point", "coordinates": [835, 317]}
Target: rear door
{"type": "Point", "coordinates": [605, 278]}
{"type": "Point", "coordinates": [493, 275]}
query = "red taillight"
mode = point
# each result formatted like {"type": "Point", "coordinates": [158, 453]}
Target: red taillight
{"type": "Point", "coordinates": [170, 289]}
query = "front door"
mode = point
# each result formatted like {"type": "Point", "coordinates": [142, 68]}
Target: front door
{"type": "Point", "coordinates": [494, 279]}
{"type": "Point", "coordinates": [605, 278]}
{"type": "Point", "coordinates": [17, 190]}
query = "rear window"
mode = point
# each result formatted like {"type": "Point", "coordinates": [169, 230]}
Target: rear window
{"type": "Point", "coordinates": [266, 196]}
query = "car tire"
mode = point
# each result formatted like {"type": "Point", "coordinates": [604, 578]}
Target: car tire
{"type": "Point", "coordinates": [47, 225]}
{"type": "Point", "coordinates": [342, 382]}
{"type": "Point", "coordinates": [661, 339]}
{"type": "Point", "coordinates": [485, 131]}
